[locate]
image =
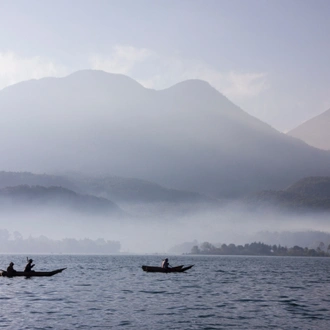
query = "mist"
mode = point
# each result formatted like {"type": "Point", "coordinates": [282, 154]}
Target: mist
{"type": "Point", "coordinates": [188, 137]}
{"type": "Point", "coordinates": [182, 154]}
{"type": "Point", "coordinates": [158, 231]}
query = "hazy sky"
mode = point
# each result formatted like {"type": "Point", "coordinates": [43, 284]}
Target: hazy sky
{"type": "Point", "coordinates": [270, 57]}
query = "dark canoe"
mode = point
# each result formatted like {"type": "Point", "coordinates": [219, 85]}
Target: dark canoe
{"type": "Point", "coordinates": [31, 274]}
{"type": "Point", "coordinates": [177, 269]}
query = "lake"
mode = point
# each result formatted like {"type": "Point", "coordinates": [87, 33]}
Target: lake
{"type": "Point", "coordinates": [219, 292]}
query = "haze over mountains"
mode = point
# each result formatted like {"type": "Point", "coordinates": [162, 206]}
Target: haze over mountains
{"type": "Point", "coordinates": [26, 197]}
{"type": "Point", "coordinates": [188, 137]}
{"type": "Point", "coordinates": [315, 132]}
{"type": "Point", "coordinates": [134, 164]}
{"type": "Point", "coordinates": [309, 195]}
{"type": "Point", "coordinates": [94, 195]}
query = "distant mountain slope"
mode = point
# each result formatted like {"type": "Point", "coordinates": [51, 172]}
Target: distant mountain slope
{"type": "Point", "coordinates": [116, 189]}
{"type": "Point", "coordinates": [308, 194]}
{"type": "Point", "coordinates": [316, 187]}
{"type": "Point", "coordinates": [137, 198]}
{"type": "Point", "coordinates": [133, 190]}
{"type": "Point", "coordinates": [188, 137]}
{"type": "Point", "coordinates": [315, 132]}
{"type": "Point", "coordinates": [8, 179]}
{"type": "Point", "coordinates": [32, 197]}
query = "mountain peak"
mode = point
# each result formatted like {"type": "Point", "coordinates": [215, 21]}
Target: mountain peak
{"type": "Point", "coordinates": [193, 86]}
{"type": "Point", "coordinates": [188, 137]}
{"type": "Point", "coordinates": [315, 131]}
{"type": "Point", "coordinates": [87, 79]}
{"type": "Point", "coordinates": [103, 76]}
{"type": "Point", "coordinates": [194, 83]}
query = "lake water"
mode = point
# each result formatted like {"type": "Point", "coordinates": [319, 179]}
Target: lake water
{"type": "Point", "coordinates": [104, 292]}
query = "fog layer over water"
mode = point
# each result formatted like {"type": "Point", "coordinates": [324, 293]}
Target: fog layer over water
{"type": "Point", "coordinates": [160, 232]}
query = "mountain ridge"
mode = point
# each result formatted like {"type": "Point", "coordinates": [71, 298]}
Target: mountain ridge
{"type": "Point", "coordinates": [315, 131]}
{"type": "Point", "coordinates": [116, 189]}
{"type": "Point", "coordinates": [310, 194]}
{"type": "Point", "coordinates": [25, 196]}
{"type": "Point", "coordinates": [185, 137]}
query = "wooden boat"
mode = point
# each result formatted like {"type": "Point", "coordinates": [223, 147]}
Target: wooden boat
{"type": "Point", "coordinates": [177, 269]}
{"type": "Point", "coordinates": [31, 274]}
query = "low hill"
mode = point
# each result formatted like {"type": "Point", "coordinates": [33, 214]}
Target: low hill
{"type": "Point", "coordinates": [136, 197]}
{"type": "Point", "coordinates": [116, 189]}
{"type": "Point", "coordinates": [315, 132]}
{"type": "Point", "coordinates": [11, 179]}
{"type": "Point", "coordinates": [316, 187]}
{"type": "Point", "coordinates": [24, 196]}
{"type": "Point", "coordinates": [308, 194]}
{"type": "Point", "coordinates": [132, 190]}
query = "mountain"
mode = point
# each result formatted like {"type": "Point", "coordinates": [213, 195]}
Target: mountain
{"type": "Point", "coordinates": [32, 197]}
{"type": "Point", "coordinates": [116, 189]}
{"type": "Point", "coordinates": [9, 179]}
{"type": "Point", "coordinates": [315, 132]}
{"type": "Point", "coordinates": [132, 190]}
{"type": "Point", "coordinates": [188, 137]}
{"type": "Point", "coordinates": [316, 187]}
{"type": "Point", "coordinates": [307, 195]}
{"type": "Point", "coordinates": [138, 198]}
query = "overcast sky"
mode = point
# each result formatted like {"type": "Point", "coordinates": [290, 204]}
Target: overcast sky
{"type": "Point", "coordinates": [270, 57]}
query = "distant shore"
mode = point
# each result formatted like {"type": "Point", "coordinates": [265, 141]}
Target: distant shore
{"type": "Point", "coordinates": [260, 249]}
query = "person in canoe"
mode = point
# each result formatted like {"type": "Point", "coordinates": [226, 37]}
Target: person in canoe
{"type": "Point", "coordinates": [29, 266]}
{"type": "Point", "coordinates": [10, 268]}
{"type": "Point", "coordinates": [165, 263]}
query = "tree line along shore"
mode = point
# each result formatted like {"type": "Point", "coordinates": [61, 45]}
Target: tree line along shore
{"type": "Point", "coordinates": [261, 249]}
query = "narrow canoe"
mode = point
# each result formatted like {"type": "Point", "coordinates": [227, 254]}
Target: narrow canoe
{"type": "Point", "coordinates": [31, 274]}
{"type": "Point", "coordinates": [177, 269]}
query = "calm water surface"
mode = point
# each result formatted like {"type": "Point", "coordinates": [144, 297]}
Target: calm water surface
{"type": "Point", "coordinates": [104, 292]}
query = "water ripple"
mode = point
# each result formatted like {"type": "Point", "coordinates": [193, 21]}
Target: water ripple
{"type": "Point", "coordinates": [105, 292]}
